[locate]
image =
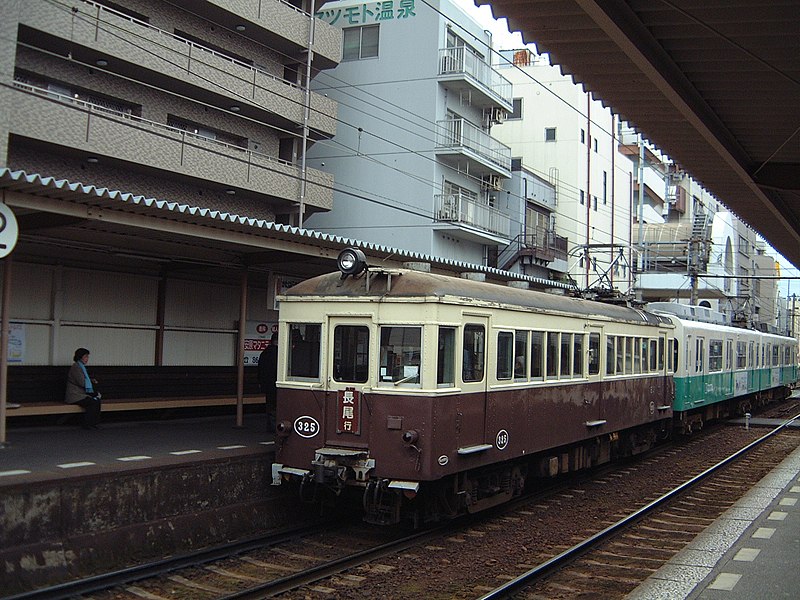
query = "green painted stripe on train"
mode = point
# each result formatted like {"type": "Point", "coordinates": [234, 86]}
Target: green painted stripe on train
{"type": "Point", "coordinates": [702, 390]}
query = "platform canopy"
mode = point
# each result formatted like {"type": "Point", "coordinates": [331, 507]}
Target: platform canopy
{"type": "Point", "coordinates": [714, 83]}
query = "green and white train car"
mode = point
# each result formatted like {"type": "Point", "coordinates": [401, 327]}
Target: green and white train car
{"type": "Point", "coordinates": [722, 370]}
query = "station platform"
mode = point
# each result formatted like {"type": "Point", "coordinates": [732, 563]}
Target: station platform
{"type": "Point", "coordinates": [37, 453]}
{"type": "Point", "coordinates": [751, 552]}
{"type": "Point", "coordinates": [75, 502]}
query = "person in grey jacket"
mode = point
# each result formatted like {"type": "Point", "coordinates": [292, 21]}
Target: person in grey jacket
{"type": "Point", "coordinates": [80, 389]}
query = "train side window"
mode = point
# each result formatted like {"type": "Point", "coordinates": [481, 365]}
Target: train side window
{"type": "Point", "coordinates": [750, 354]}
{"type": "Point", "coordinates": [505, 354]}
{"type": "Point", "coordinates": [350, 353]}
{"type": "Point", "coordinates": [566, 359]}
{"type": "Point", "coordinates": [775, 355]}
{"type": "Point", "coordinates": [520, 355]}
{"type": "Point", "coordinates": [675, 355]}
{"type": "Point", "coordinates": [474, 353]}
{"type": "Point", "coordinates": [551, 364]}
{"type": "Point", "coordinates": [304, 351]}
{"type": "Point", "coordinates": [445, 362]}
{"type": "Point", "coordinates": [654, 354]}
{"type": "Point", "coordinates": [537, 354]}
{"type": "Point", "coordinates": [644, 342]}
{"type": "Point", "coordinates": [400, 354]}
{"type": "Point", "coordinates": [660, 354]}
{"type": "Point", "coordinates": [628, 355]}
{"type": "Point", "coordinates": [594, 353]}
{"type": "Point", "coordinates": [611, 355]}
{"type": "Point", "coordinates": [672, 354]}
{"type": "Point", "coordinates": [741, 355]}
{"type": "Point", "coordinates": [577, 355]}
{"type": "Point", "coordinates": [715, 355]}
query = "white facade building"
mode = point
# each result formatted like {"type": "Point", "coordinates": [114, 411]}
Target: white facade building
{"type": "Point", "coordinates": [414, 158]}
{"type": "Point", "coordinates": [563, 135]}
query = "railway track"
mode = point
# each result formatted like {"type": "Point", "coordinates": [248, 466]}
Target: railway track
{"type": "Point", "coordinates": [613, 562]}
{"type": "Point", "coordinates": [491, 554]}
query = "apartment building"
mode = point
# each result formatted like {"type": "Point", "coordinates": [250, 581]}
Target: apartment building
{"type": "Point", "coordinates": [415, 159]}
{"type": "Point", "coordinates": [196, 102]}
{"type": "Point", "coordinates": [564, 136]}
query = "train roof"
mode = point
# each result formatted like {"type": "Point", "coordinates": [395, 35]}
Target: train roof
{"type": "Point", "coordinates": [409, 284]}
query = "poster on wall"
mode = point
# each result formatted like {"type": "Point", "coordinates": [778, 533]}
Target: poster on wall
{"type": "Point", "coordinates": [256, 338]}
{"type": "Point", "coordinates": [16, 343]}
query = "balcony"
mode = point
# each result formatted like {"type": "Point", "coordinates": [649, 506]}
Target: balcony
{"type": "Point", "coordinates": [59, 120]}
{"type": "Point", "coordinates": [540, 247]}
{"type": "Point", "coordinates": [138, 50]}
{"type": "Point", "coordinates": [461, 70]}
{"type": "Point", "coordinates": [277, 23]}
{"type": "Point", "coordinates": [472, 219]}
{"type": "Point", "coordinates": [470, 149]}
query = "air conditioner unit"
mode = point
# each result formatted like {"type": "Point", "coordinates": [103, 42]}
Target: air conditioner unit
{"type": "Point", "coordinates": [499, 115]}
{"type": "Point", "coordinates": [492, 182]}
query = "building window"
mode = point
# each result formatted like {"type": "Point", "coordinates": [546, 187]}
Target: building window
{"type": "Point", "coordinates": [550, 134]}
{"type": "Point", "coordinates": [583, 199]}
{"type": "Point", "coordinates": [605, 188]}
{"type": "Point", "coordinates": [583, 136]}
{"type": "Point", "coordinates": [360, 42]}
{"type": "Point", "coordinates": [517, 112]}
{"type": "Point", "coordinates": [594, 206]}
{"type": "Point", "coordinates": [595, 144]}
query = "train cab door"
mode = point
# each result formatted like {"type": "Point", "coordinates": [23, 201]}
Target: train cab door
{"type": "Point", "coordinates": [472, 403]}
{"type": "Point", "coordinates": [698, 393]}
{"type": "Point", "coordinates": [594, 394]}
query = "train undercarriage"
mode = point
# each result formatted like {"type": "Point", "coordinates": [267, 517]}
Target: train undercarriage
{"type": "Point", "coordinates": [693, 420]}
{"type": "Point", "coordinates": [387, 502]}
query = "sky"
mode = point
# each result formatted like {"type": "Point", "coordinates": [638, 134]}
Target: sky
{"type": "Point", "coordinates": [505, 40]}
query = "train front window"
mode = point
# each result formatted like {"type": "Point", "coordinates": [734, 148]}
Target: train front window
{"type": "Point", "coordinates": [304, 350]}
{"type": "Point", "coordinates": [474, 353]}
{"type": "Point", "coordinates": [400, 354]}
{"type": "Point", "coordinates": [445, 362]}
{"type": "Point", "coordinates": [350, 353]}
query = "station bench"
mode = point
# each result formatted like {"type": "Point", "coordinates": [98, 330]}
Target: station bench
{"type": "Point", "coordinates": [39, 390]}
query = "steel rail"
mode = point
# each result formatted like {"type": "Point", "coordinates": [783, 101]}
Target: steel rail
{"type": "Point", "coordinates": [98, 583]}
{"type": "Point", "coordinates": [529, 577]}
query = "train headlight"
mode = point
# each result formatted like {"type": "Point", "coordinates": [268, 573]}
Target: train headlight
{"type": "Point", "coordinates": [283, 429]}
{"type": "Point", "coordinates": [351, 261]}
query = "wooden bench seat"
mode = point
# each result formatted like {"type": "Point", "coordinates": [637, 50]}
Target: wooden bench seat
{"type": "Point", "coordinates": [39, 390]}
{"type": "Point", "coordinates": [61, 408]}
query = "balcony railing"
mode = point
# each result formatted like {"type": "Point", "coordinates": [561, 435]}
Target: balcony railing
{"type": "Point", "coordinates": [542, 244]}
{"type": "Point", "coordinates": [456, 208]}
{"type": "Point", "coordinates": [461, 134]}
{"type": "Point", "coordinates": [263, 172]}
{"type": "Point", "coordinates": [462, 60]}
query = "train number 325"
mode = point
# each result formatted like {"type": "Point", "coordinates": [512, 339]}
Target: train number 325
{"type": "Point", "coordinates": [306, 426]}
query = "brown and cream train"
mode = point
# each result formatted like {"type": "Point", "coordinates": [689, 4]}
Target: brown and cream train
{"type": "Point", "coordinates": [430, 396]}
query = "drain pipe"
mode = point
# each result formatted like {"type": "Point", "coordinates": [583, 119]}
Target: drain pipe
{"type": "Point", "coordinates": [306, 116]}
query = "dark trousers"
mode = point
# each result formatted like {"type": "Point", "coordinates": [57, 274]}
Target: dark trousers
{"type": "Point", "coordinates": [270, 401]}
{"type": "Point", "coordinates": [91, 406]}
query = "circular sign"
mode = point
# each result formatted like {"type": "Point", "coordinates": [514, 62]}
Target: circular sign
{"type": "Point", "coordinates": [443, 460]}
{"type": "Point", "coordinates": [306, 426]}
{"type": "Point", "coordinates": [501, 441]}
{"type": "Point", "coordinates": [9, 231]}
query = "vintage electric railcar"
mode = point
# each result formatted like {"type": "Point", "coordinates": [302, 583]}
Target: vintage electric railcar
{"type": "Point", "coordinates": [432, 396]}
{"type": "Point", "coordinates": [722, 370]}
